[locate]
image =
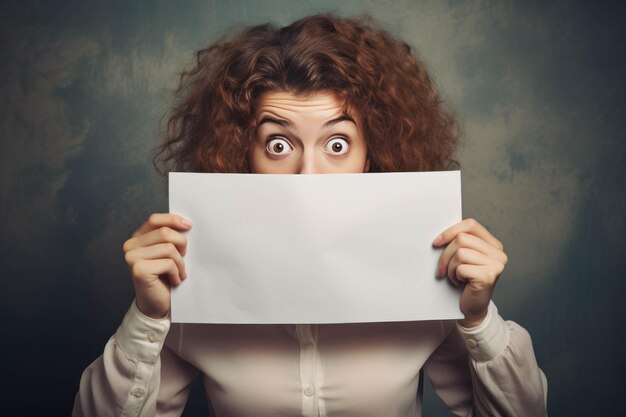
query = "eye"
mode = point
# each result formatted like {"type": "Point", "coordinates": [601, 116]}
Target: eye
{"type": "Point", "coordinates": [337, 146]}
{"type": "Point", "coordinates": [278, 146]}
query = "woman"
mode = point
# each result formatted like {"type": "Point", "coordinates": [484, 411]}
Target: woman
{"type": "Point", "coordinates": [322, 95]}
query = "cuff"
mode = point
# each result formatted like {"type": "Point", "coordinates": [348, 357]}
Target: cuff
{"type": "Point", "coordinates": [140, 336]}
{"type": "Point", "coordinates": [488, 339]}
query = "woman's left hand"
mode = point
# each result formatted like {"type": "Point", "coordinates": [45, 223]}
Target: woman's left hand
{"type": "Point", "coordinates": [474, 259]}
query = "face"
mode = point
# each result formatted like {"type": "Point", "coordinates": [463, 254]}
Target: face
{"type": "Point", "coordinates": [306, 135]}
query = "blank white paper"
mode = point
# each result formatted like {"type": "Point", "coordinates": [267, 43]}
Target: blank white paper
{"type": "Point", "coordinates": [329, 248]}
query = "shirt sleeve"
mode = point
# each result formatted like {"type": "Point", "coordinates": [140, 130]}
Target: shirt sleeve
{"type": "Point", "coordinates": [506, 378]}
{"type": "Point", "coordinates": [502, 379]}
{"type": "Point", "coordinates": [126, 379]}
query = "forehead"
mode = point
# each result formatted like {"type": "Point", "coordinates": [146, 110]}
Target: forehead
{"type": "Point", "coordinates": [318, 104]}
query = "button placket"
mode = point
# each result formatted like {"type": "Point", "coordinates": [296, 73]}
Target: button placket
{"type": "Point", "coordinates": [306, 339]}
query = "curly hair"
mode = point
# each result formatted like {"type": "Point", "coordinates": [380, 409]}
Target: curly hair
{"type": "Point", "coordinates": [212, 125]}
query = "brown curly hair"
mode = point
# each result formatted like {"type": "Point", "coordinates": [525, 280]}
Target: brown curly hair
{"type": "Point", "coordinates": [374, 75]}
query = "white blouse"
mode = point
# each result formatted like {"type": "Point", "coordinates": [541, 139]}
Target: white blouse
{"type": "Point", "coordinates": [365, 369]}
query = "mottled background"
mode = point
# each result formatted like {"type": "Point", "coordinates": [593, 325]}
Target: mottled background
{"type": "Point", "coordinates": [538, 87]}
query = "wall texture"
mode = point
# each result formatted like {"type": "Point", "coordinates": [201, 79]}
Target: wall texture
{"type": "Point", "coordinates": [538, 87]}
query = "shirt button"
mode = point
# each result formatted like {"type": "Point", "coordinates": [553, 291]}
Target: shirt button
{"type": "Point", "coordinates": [471, 343]}
{"type": "Point", "coordinates": [138, 392]}
{"type": "Point", "coordinates": [308, 345]}
{"type": "Point", "coordinates": [152, 336]}
{"type": "Point", "coordinates": [308, 391]}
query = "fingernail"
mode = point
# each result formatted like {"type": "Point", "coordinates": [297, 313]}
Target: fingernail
{"type": "Point", "coordinates": [186, 223]}
{"type": "Point", "coordinates": [437, 240]}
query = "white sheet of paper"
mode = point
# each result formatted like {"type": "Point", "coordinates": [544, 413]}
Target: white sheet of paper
{"type": "Point", "coordinates": [331, 248]}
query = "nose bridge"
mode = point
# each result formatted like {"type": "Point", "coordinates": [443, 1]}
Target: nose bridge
{"type": "Point", "coordinates": [310, 164]}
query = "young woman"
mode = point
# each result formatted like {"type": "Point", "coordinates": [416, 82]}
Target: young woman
{"type": "Point", "coordinates": [322, 95]}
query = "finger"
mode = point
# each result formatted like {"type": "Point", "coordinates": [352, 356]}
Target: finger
{"type": "Point", "coordinates": [158, 220]}
{"type": "Point", "coordinates": [465, 240]}
{"type": "Point", "coordinates": [465, 256]}
{"type": "Point", "coordinates": [469, 226]}
{"type": "Point", "coordinates": [147, 271]}
{"type": "Point", "coordinates": [478, 277]}
{"type": "Point", "coordinates": [159, 251]}
{"type": "Point", "coordinates": [161, 235]}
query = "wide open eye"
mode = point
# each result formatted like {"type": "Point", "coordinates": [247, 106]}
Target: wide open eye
{"type": "Point", "coordinates": [337, 146]}
{"type": "Point", "coordinates": [278, 146]}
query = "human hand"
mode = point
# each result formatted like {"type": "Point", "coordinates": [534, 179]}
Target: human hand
{"type": "Point", "coordinates": [154, 254]}
{"type": "Point", "coordinates": [474, 259]}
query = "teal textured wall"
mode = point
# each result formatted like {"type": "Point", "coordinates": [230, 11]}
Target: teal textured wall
{"type": "Point", "coordinates": [537, 86]}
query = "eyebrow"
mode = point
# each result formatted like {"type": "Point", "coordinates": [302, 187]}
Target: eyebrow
{"type": "Point", "coordinates": [287, 123]}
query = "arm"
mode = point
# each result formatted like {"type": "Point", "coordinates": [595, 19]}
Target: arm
{"type": "Point", "coordinates": [499, 376]}
{"type": "Point", "coordinates": [126, 379]}
{"type": "Point", "coordinates": [505, 377]}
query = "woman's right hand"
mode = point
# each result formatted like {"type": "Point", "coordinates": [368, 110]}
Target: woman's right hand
{"type": "Point", "coordinates": [154, 254]}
